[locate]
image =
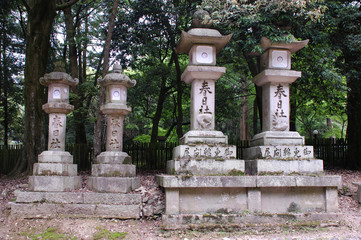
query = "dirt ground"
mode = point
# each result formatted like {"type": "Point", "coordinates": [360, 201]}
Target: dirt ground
{"type": "Point", "coordinates": [150, 228]}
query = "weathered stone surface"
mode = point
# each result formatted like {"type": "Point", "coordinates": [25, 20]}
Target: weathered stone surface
{"type": "Point", "coordinates": [276, 76]}
{"type": "Point", "coordinates": [331, 199]}
{"type": "Point", "coordinates": [275, 138]}
{"type": "Point", "coordinates": [113, 184]}
{"type": "Point", "coordinates": [203, 137]}
{"type": "Point", "coordinates": [113, 157]}
{"type": "Point", "coordinates": [262, 167]}
{"type": "Point", "coordinates": [202, 36]}
{"type": "Point", "coordinates": [113, 170]}
{"type": "Point", "coordinates": [241, 221]}
{"type": "Point", "coordinates": [285, 152]}
{"type": "Point", "coordinates": [49, 197]}
{"type": "Point", "coordinates": [319, 181]}
{"type": "Point", "coordinates": [57, 169]}
{"type": "Point", "coordinates": [206, 167]}
{"type": "Point", "coordinates": [55, 157]}
{"type": "Point", "coordinates": [205, 151]}
{"type": "Point", "coordinates": [47, 210]}
{"type": "Point", "coordinates": [358, 184]}
{"type": "Point", "coordinates": [117, 211]}
{"type": "Point", "coordinates": [78, 197]}
{"type": "Point", "coordinates": [112, 198]}
{"type": "Point", "coordinates": [54, 183]}
{"type": "Point", "coordinates": [212, 200]}
{"type": "Point", "coordinates": [168, 181]}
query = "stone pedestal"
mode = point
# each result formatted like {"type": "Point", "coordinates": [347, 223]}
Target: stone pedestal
{"type": "Point", "coordinates": [112, 170]}
{"type": "Point", "coordinates": [55, 170]}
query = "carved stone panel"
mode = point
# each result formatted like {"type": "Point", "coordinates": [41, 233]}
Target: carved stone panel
{"type": "Point", "coordinates": [276, 107]}
{"type": "Point", "coordinates": [114, 133]}
{"type": "Point", "coordinates": [202, 109]}
{"type": "Point", "coordinates": [57, 126]}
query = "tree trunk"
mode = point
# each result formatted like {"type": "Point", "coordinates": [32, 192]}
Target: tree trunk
{"type": "Point", "coordinates": [41, 14]}
{"type": "Point", "coordinates": [244, 125]}
{"type": "Point", "coordinates": [79, 113]}
{"type": "Point", "coordinates": [354, 120]}
{"type": "Point", "coordinates": [179, 96]}
{"type": "Point", "coordinates": [100, 118]}
{"type": "Point", "coordinates": [293, 110]}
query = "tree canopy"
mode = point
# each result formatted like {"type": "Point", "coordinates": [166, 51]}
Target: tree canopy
{"type": "Point", "coordinates": [90, 36]}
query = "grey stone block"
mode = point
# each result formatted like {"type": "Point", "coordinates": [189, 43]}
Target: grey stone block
{"type": "Point", "coordinates": [118, 211]}
{"type": "Point", "coordinates": [112, 198]}
{"type": "Point", "coordinates": [54, 183]}
{"type": "Point", "coordinates": [318, 181]}
{"type": "Point", "coordinates": [358, 185]}
{"type": "Point", "coordinates": [113, 184]}
{"type": "Point", "coordinates": [168, 181]}
{"type": "Point", "coordinates": [49, 197]}
{"type": "Point", "coordinates": [205, 151]}
{"type": "Point", "coordinates": [205, 167]}
{"type": "Point", "coordinates": [274, 138]}
{"type": "Point", "coordinates": [115, 157]}
{"type": "Point", "coordinates": [55, 169]}
{"type": "Point", "coordinates": [269, 166]}
{"type": "Point", "coordinates": [276, 181]}
{"type": "Point", "coordinates": [113, 170]}
{"type": "Point", "coordinates": [55, 157]}
{"type": "Point", "coordinates": [279, 152]}
{"type": "Point", "coordinates": [229, 221]}
{"type": "Point", "coordinates": [206, 137]}
{"type": "Point", "coordinates": [32, 210]}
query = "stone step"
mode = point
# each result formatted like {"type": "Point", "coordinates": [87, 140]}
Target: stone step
{"type": "Point", "coordinates": [53, 210]}
{"type": "Point", "coordinates": [218, 221]}
{"type": "Point", "coordinates": [77, 198]}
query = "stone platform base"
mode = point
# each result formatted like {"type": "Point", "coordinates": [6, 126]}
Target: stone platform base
{"type": "Point", "coordinates": [113, 184]}
{"type": "Point", "coordinates": [206, 167]}
{"type": "Point", "coordinates": [203, 136]}
{"type": "Point", "coordinates": [236, 194]}
{"type": "Point", "coordinates": [271, 138]}
{"type": "Point", "coordinates": [230, 222]}
{"type": "Point", "coordinates": [54, 183]}
{"type": "Point", "coordinates": [273, 166]}
{"type": "Point", "coordinates": [75, 204]}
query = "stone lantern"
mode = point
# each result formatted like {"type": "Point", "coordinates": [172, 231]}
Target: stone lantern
{"type": "Point", "coordinates": [275, 78]}
{"type": "Point", "coordinates": [202, 44]}
{"type": "Point", "coordinates": [276, 143]}
{"type": "Point", "coordinates": [55, 170]}
{"type": "Point", "coordinates": [113, 171]}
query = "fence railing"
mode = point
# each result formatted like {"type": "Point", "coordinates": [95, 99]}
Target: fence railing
{"type": "Point", "coordinates": [146, 156]}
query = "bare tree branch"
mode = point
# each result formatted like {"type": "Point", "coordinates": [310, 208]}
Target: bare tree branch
{"type": "Point", "coordinates": [65, 5]}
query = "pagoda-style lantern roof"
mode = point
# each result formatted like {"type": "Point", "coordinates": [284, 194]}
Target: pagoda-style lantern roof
{"type": "Point", "coordinates": [58, 76]}
{"type": "Point", "coordinates": [117, 77]}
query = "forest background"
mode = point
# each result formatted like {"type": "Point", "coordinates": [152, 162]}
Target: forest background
{"type": "Point", "coordinates": [91, 35]}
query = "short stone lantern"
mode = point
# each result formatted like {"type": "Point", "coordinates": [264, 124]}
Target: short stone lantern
{"type": "Point", "coordinates": [55, 170]}
{"type": "Point", "coordinates": [113, 171]}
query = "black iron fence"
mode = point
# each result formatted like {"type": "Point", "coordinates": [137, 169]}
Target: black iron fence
{"type": "Point", "coordinates": [146, 156]}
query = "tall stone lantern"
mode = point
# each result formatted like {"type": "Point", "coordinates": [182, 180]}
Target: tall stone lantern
{"type": "Point", "coordinates": [202, 43]}
{"type": "Point", "coordinates": [112, 170]}
{"type": "Point", "coordinates": [55, 170]}
{"type": "Point", "coordinates": [276, 143]}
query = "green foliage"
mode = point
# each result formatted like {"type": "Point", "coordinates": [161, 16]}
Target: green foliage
{"type": "Point", "coordinates": [50, 234]}
{"type": "Point", "coordinates": [106, 234]}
